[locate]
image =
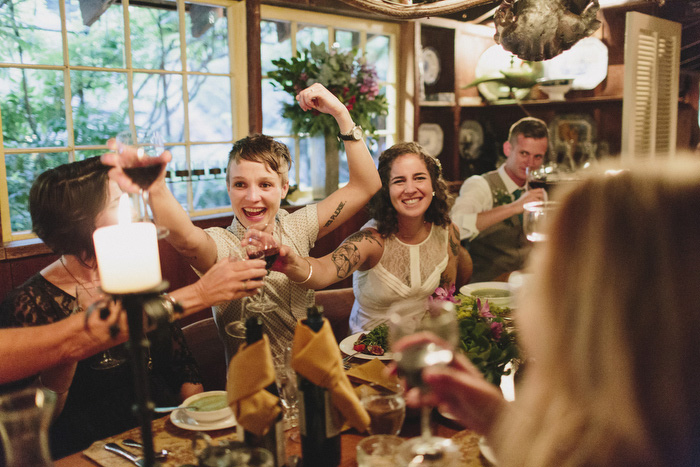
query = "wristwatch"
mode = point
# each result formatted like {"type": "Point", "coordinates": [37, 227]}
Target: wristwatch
{"type": "Point", "coordinates": [353, 135]}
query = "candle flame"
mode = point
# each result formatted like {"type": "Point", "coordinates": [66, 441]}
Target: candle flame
{"type": "Point", "coordinates": [124, 212]}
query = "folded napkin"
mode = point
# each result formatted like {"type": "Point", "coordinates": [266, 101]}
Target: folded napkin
{"type": "Point", "coordinates": [250, 372]}
{"type": "Point", "coordinates": [374, 371]}
{"type": "Point", "coordinates": [315, 356]}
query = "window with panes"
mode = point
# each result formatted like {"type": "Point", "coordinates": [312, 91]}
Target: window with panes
{"type": "Point", "coordinates": [284, 32]}
{"type": "Point", "coordinates": [74, 73]}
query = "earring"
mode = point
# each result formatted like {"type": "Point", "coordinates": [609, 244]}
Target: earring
{"type": "Point", "coordinates": [433, 193]}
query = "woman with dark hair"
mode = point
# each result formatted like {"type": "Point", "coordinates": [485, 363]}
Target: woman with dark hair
{"type": "Point", "coordinates": [67, 204]}
{"type": "Point", "coordinates": [408, 249]}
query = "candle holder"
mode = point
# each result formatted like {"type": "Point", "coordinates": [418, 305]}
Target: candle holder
{"type": "Point", "coordinates": [150, 307]}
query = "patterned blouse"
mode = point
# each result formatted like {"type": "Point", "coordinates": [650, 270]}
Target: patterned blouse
{"type": "Point", "coordinates": [286, 300]}
{"type": "Point", "coordinates": [99, 400]}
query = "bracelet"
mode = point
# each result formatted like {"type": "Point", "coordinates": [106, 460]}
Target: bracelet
{"type": "Point", "coordinates": [172, 306]}
{"type": "Point", "coordinates": [311, 271]}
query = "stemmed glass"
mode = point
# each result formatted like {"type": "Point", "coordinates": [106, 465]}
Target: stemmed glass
{"type": "Point", "coordinates": [536, 178]}
{"type": "Point", "coordinates": [286, 386]}
{"type": "Point", "coordinates": [90, 296]}
{"type": "Point", "coordinates": [440, 319]}
{"type": "Point", "coordinates": [260, 243]}
{"type": "Point", "coordinates": [145, 168]}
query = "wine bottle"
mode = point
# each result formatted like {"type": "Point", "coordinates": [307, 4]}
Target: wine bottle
{"type": "Point", "coordinates": [273, 440]}
{"type": "Point", "coordinates": [319, 423]}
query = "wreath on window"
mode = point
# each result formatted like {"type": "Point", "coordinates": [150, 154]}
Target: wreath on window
{"type": "Point", "coordinates": [345, 74]}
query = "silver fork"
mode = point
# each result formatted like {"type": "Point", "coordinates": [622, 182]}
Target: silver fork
{"type": "Point", "coordinates": [346, 360]}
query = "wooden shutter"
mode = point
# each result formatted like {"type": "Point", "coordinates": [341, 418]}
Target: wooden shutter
{"type": "Point", "coordinates": [650, 99]}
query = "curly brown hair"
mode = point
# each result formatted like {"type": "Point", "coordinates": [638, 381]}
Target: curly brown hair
{"type": "Point", "coordinates": [380, 207]}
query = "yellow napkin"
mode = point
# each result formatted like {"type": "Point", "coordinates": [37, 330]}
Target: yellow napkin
{"type": "Point", "coordinates": [315, 356]}
{"type": "Point", "coordinates": [250, 372]}
{"type": "Point", "coordinates": [374, 371]}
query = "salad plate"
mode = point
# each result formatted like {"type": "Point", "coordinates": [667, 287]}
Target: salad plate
{"type": "Point", "coordinates": [346, 346]}
{"type": "Point", "coordinates": [181, 420]}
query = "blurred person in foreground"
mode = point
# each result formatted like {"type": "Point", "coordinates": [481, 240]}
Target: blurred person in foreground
{"type": "Point", "coordinates": [609, 325]}
{"type": "Point", "coordinates": [408, 249]}
{"type": "Point", "coordinates": [67, 204]}
{"type": "Point", "coordinates": [489, 206]}
{"type": "Point", "coordinates": [257, 179]}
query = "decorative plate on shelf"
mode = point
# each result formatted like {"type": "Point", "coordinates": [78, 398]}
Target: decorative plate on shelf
{"type": "Point", "coordinates": [431, 137]}
{"type": "Point", "coordinates": [430, 65]}
{"type": "Point", "coordinates": [586, 62]}
{"type": "Point", "coordinates": [471, 138]}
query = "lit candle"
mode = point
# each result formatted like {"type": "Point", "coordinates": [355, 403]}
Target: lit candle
{"type": "Point", "coordinates": [127, 254]}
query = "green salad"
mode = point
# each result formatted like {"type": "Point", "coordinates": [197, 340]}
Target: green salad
{"type": "Point", "coordinates": [375, 342]}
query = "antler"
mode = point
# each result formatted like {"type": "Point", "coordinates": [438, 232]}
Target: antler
{"type": "Point", "coordinates": [417, 10]}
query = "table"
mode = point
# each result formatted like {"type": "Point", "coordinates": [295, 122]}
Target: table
{"type": "Point", "coordinates": [179, 442]}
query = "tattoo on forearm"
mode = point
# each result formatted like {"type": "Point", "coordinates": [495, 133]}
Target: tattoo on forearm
{"type": "Point", "coordinates": [335, 214]}
{"type": "Point", "coordinates": [345, 258]}
{"type": "Point", "coordinates": [454, 246]}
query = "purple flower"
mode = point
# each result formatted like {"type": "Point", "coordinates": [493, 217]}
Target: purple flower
{"type": "Point", "coordinates": [496, 330]}
{"type": "Point", "coordinates": [445, 295]}
{"type": "Point", "coordinates": [484, 309]}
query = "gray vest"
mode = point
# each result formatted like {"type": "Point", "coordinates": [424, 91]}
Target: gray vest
{"type": "Point", "coordinates": [502, 247]}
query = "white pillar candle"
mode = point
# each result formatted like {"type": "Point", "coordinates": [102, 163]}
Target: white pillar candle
{"type": "Point", "coordinates": [127, 257]}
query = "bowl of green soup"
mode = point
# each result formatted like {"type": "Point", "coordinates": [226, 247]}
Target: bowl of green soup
{"type": "Point", "coordinates": [496, 293]}
{"type": "Point", "coordinates": [207, 406]}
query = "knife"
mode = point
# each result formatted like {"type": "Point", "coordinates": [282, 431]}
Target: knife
{"type": "Point", "coordinates": [115, 448]}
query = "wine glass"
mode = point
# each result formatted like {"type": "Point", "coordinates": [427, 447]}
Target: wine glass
{"type": "Point", "coordinates": [285, 377]}
{"type": "Point", "coordinates": [91, 296]}
{"type": "Point", "coordinates": [259, 243]}
{"type": "Point", "coordinates": [144, 169]}
{"type": "Point", "coordinates": [535, 219]}
{"type": "Point", "coordinates": [536, 178]}
{"type": "Point", "coordinates": [236, 328]}
{"type": "Point", "coordinates": [439, 319]}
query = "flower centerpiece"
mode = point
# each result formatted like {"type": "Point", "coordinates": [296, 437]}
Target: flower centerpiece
{"type": "Point", "coordinates": [483, 335]}
{"type": "Point", "coordinates": [346, 75]}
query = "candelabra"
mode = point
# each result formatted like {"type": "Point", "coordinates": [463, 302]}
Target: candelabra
{"type": "Point", "coordinates": [147, 308]}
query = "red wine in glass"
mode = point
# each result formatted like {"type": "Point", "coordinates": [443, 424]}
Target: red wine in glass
{"type": "Point", "coordinates": [539, 183]}
{"type": "Point", "coordinates": [143, 175]}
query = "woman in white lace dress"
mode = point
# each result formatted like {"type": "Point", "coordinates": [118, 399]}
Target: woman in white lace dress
{"type": "Point", "coordinates": [403, 254]}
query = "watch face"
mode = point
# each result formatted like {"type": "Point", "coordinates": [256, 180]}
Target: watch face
{"type": "Point", "coordinates": [357, 133]}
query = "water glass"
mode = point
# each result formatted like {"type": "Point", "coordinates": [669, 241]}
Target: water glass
{"type": "Point", "coordinates": [387, 411]}
{"type": "Point", "coordinates": [379, 451]}
{"type": "Point", "coordinates": [536, 215]}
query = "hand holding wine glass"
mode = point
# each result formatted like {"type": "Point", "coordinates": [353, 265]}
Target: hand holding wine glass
{"type": "Point", "coordinates": [260, 243]}
{"type": "Point", "coordinates": [141, 161]}
{"type": "Point", "coordinates": [412, 355]}
{"type": "Point", "coordinates": [90, 297]}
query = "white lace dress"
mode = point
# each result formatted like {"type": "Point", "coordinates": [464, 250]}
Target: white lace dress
{"type": "Point", "coordinates": [404, 278]}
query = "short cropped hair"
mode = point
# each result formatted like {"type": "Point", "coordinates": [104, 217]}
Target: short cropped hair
{"type": "Point", "coordinates": [64, 203]}
{"type": "Point", "coordinates": [529, 127]}
{"type": "Point", "coordinates": [263, 149]}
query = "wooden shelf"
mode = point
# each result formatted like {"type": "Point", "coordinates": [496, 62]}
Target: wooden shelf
{"type": "Point", "coordinates": [436, 104]}
{"type": "Point", "coordinates": [536, 102]}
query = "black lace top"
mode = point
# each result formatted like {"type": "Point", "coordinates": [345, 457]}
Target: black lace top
{"type": "Point", "coordinates": [99, 401]}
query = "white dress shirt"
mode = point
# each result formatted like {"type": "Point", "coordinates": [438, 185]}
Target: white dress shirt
{"type": "Point", "coordinates": [474, 197]}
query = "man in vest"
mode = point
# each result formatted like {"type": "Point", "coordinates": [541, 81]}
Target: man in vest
{"type": "Point", "coordinates": [488, 210]}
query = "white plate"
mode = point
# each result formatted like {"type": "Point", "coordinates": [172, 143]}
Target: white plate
{"type": "Point", "coordinates": [347, 344]}
{"type": "Point", "coordinates": [181, 420]}
{"type": "Point", "coordinates": [586, 62]}
{"type": "Point", "coordinates": [500, 301]}
{"type": "Point", "coordinates": [431, 137]}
